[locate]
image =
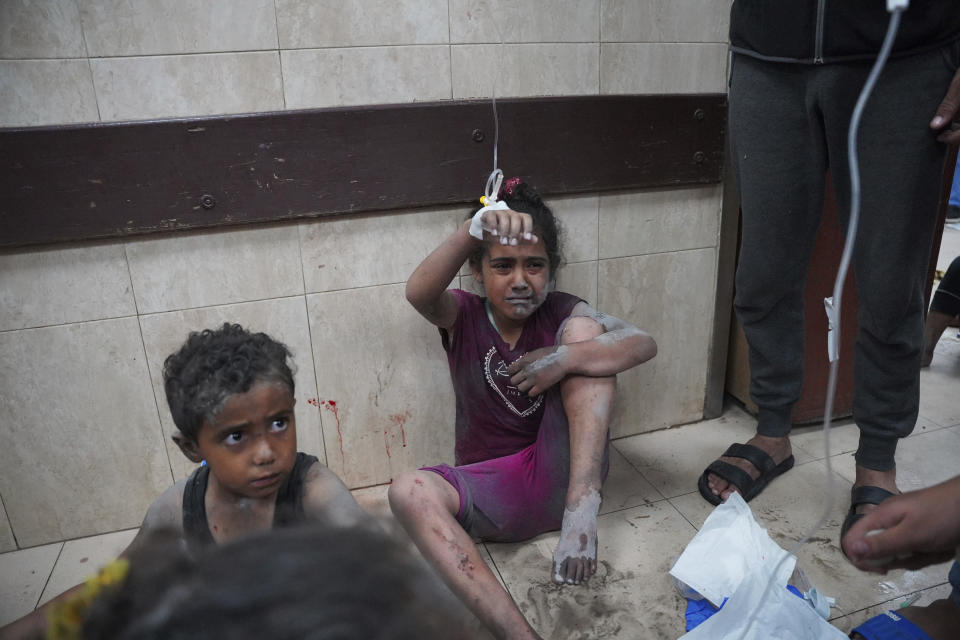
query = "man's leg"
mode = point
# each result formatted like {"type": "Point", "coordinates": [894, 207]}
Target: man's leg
{"type": "Point", "coordinates": [426, 505]}
{"type": "Point", "coordinates": [901, 165]}
{"type": "Point", "coordinates": [778, 153]}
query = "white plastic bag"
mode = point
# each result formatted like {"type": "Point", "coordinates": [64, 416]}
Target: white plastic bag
{"type": "Point", "coordinates": [782, 615]}
{"type": "Point", "coordinates": [729, 546]}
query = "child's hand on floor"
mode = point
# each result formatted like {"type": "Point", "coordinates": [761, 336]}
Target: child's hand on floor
{"type": "Point", "coordinates": [508, 227]}
{"type": "Point", "coordinates": [539, 370]}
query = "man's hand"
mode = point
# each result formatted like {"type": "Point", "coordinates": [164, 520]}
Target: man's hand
{"type": "Point", "coordinates": [914, 530]}
{"type": "Point", "coordinates": [947, 113]}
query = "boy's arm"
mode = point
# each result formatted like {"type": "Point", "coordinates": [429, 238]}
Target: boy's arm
{"type": "Point", "coordinates": [619, 348]}
{"type": "Point", "coordinates": [164, 512]}
{"type": "Point", "coordinates": [427, 285]}
{"type": "Point", "coordinates": [326, 498]}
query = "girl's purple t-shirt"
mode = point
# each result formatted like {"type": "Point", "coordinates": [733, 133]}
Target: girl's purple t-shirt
{"type": "Point", "coordinates": [494, 418]}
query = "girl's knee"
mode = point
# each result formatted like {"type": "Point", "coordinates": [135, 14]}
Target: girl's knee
{"type": "Point", "coordinates": [580, 329]}
{"type": "Point", "coordinates": [415, 491]}
{"type": "Point", "coordinates": [404, 489]}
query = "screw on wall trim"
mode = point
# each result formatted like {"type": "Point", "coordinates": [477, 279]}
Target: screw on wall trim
{"type": "Point", "coordinates": [699, 157]}
{"type": "Point", "coordinates": [207, 201]}
{"type": "Point", "coordinates": [699, 114]}
{"type": "Point", "coordinates": [478, 135]}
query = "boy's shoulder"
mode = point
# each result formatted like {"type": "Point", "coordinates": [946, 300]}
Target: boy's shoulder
{"type": "Point", "coordinates": [167, 510]}
{"type": "Point", "coordinates": [326, 498]}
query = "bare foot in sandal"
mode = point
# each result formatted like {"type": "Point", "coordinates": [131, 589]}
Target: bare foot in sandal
{"type": "Point", "coordinates": [777, 448]}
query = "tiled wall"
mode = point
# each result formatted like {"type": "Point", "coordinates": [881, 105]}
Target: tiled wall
{"type": "Point", "coordinates": [84, 429]}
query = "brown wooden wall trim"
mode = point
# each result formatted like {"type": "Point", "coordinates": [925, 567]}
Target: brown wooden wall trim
{"type": "Point", "coordinates": [108, 180]}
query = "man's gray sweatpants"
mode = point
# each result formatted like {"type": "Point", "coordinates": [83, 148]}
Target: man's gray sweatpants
{"type": "Point", "coordinates": [788, 127]}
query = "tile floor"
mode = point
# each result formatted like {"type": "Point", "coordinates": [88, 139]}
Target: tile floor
{"type": "Point", "coordinates": [650, 512]}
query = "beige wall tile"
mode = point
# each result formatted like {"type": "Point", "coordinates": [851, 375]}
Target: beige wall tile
{"type": "Point", "coordinates": [81, 451]}
{"type": "Point", "coordinates": [40, 29]}
{"type": "Point", "coordinates": [578, 217]}
{"type": "Point", "coordinates": [188, 85]}
{"type": "Point", "coordinates": [7, 541]}
{"type": "Point", "coordinates": [124, 28]}
{"type": "Point", "coordinates": [524, 70]}
{"type": "Point", "coordinates": [202, 269]}
{"type": "Point", "coordinates": [665, 20]}
{"type": "Point", "coordinates": [484, 21]}
{"type": "Point", "coordinates": [359, 251]}
{"type": "Point", "coordinates": [82, 558]}
{"type": "Point", "coordinates": [656, 221]}
{"type": "Point", "coordinates": [383, 366]}
{"type": "Point", "coordinates": [39, 92]}
{"type": "Point", "coordinates": [64, 284]}
{"type": "Point", "coordinates": [284, 319]}
{"type": "Point", "coordinates": [371, 75]}
{"type": "Point", "coordinates": [307, 24]}
{"type": "Point", "coordinates": [579, 279]}
{"type": "Point", "coordinates": [670, 296]}
{"type": "Point", "coordinates": [663, 68]}
{"type": "Point", "coordinates": [22, 576]}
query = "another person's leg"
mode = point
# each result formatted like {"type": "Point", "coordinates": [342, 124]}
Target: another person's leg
{"type": "Point", "coordinates": [778, 153]}
{"type": "Point", "coordinates": [944, 309]}
{"type": "Point", "coordinates": [939, 620]}
{"type": "Point", "coordinates": [900, 166]}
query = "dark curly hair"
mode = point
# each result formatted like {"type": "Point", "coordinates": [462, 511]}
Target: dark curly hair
{"type": "Point", "coordinates": [213, 365]}
{"type": "Point", "coordinates": [524, 199]}
{"type": "Point", "coordinates": [316, 582]}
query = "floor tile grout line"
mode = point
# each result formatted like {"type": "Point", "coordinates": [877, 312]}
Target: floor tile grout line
{"type": "Point", "coordinates": [899, 597]}
{"type": "Point", "coordinates": [496, 567]}
{"type": "Point", "coordinates": [66, 540]}
{"type": "Point", "coordinates": [46, 582]}
{"type": "Point", "coordinates": [637, 469]}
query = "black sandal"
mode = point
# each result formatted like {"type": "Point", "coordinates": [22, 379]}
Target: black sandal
{"type": "Point", "coordinates": [748, 487]}
{"type": "Point", "coordinates": [867, 494]}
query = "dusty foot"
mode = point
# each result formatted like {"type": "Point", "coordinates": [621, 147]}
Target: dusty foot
{"type": "Point", "coordinates": [777, 448]}
{"type": "Point", "coordinates": [939, 620]}
{"type": "Point", "coordinates": [575, 558]}
{"type": "Point", "coordinates": [883, 479]}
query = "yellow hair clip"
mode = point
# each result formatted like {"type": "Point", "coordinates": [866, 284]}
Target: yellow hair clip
{"type": "Point", "coordinates": [66, 618]}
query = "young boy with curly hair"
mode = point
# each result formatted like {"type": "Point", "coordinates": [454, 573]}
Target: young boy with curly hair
{"type": "Point", "coordinates": [231, 395]}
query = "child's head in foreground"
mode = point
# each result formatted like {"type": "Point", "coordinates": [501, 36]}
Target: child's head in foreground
{"type": "Point", "coordinates": [303, 583]}
{"type": "Point", "coordinates": [231, 395]}
{"type": "Point", "coordinates": [517, 278]}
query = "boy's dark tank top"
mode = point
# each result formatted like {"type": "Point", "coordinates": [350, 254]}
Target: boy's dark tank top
{"type": "Point", "coordinates": [288, 510]}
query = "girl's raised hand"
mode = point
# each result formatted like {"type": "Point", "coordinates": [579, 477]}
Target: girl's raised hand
{"type": "Point", "coordinates": [508, 226]}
